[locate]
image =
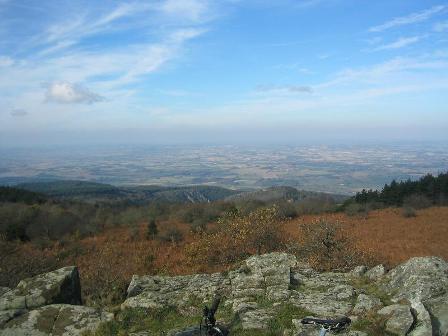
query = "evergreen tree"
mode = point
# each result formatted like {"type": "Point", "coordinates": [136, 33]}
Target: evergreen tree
{"type": "Point", "coordinates": [152, 230]}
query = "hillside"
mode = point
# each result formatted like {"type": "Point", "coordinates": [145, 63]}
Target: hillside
{"type": "Point", "coordinates": [92, 191]}
{"type": "Point", "coordinates": [283, 193]}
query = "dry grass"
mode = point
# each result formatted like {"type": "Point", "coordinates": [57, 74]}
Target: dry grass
{"type": "Point", "coordinates": [391, 237]}
{"type": "Point", "coordinates": [108, 260]}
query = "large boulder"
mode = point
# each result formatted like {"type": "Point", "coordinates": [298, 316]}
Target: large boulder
{"type": "Point", "coordinates": [56, 320]}
{"type": "Point", "coordinates": [161, 291]}
{"type": "Point", "coordinates": [60, 286]}
{"type": "Point", "coordinates": [418, 279]}
{"type": "Point", "coordinates": [422, 281]}
{"type": "Point", "coordinates": [399, 319]}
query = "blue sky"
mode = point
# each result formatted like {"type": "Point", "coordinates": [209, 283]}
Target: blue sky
{"type": "Point", "coordinates": [229, 70]}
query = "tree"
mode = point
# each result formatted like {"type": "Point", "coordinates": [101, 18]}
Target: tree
{"type": "Point", "coordinates": [152, 230]}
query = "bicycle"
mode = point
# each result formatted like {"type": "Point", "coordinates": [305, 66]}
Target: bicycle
{"type": "Point", "coordinates": [207, 326]}
{"type": "Point", "coordinates": [337, 325]}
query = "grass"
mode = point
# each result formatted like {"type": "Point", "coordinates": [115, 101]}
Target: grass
{"type": "Point", "coordinates": [281, 321]}
{"type": "Point", "coordinates": [157, 322]}
{"type": "Point", "coordinates": [371, 324]}
{"type": "Point", "coordinates": [372, 289]}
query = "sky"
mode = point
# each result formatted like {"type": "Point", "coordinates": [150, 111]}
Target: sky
{"type": "Point", "coordinates": [222, 71]}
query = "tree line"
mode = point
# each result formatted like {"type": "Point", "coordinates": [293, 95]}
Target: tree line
{"type": "Point", "coordinates": [433, 188]}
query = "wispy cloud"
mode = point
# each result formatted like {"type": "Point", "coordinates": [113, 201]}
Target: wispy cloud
{"type": "Point", "coordinates": [6, 61]}
{"type": "Point", "coordinates": [400, 43]}
{"type": "Point", "coordinates": [18, 112]}
{"type": "Point", "coordinates": [409, 19]}
{"type": "Point", "coordinates": [441, 27]}
{"type": "Point", "coordinates": [284, 89]}
{"type": "Point", "coordinates": [68, 93]}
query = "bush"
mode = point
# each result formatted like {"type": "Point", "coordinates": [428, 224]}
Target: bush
{"type": "Point", "coordinates": [417, 201]}
{"type": "Point", "coordinates": [327, 247]}
{"type": "Point", "coordinates": [238, 236]}
{"type": "Point", "coordinates": [152, 231]}
{"type": "Point", "coordinates": [287, 210]}
{"type": "Point", "coordinates": [173, 235]}
{"type": "Point", "coordinates": [356, 209]}
{"type": "Point", "coordinates": [408, 212]}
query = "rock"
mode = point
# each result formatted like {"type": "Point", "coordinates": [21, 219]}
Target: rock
{"type": "Point", "coordinates": [3, 290]}
{"type": "Point", "coordinates": [438, 310]}
{"type": "Point", "coordinates": [312, 330]}
{"type": "Point", "coordinates": [7, 315]}
{"type": "Point", "coordinates": [418, 279]}
{"type": "Point", "coordinates": [56, 320]}
{"type": "Point", "coordinates": [60, 286]}
{"type": "Point", "coordinates": [366, 303]}
{"type": "Point", "coordinates": [359, 271]}
{"type": "Point", "coordinates": [423, 281]}
{"type": "Point", "coordinates": [423, 324]}
{"type": "Point", "coordinates": [268, 274]}
{"type": "Point", "coordinates": [342, 292]}
{"type": "Point", "coordinates": [321, 304]}
{"type": "Point", "coordinates": [376, 272]}
{"type": "Point", "coordinates": [159, 291]}
{"type": "Point", "coordinates": [399, 319]}
{"type": "Point", "coordinates": [256, 319]}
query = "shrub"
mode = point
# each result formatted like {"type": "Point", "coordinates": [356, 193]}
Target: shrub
{"type": "Point", "coordinates": [408, 212]}
{"type": "Point", "coordinates": [173, 235]}
{"type": "Point", "coordinates": [237, 236]}
{"type": "Point", "coordinates": [417, 201]}
{"type": "Point", "coordinates": [356, 209]}
{"type": "Point", "coordinates": [327, 246]}
{"type": "Point", "coordinates": [152, 230]}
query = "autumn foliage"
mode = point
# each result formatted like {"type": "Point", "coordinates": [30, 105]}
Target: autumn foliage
{"type": "Point", "coordinates": [237, 236]}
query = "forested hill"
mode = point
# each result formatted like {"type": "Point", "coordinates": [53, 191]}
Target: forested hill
{"type": "Point", "coordinates": [92, 191]}
{"type": "Point", "coordinates": [15, 195]}
{"type": "Point", "coordinates": [433, 188]}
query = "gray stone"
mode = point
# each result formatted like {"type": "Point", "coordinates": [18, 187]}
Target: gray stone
{"type": "Point", "coordinates": [366, 303]}
{"type": "Point", "coordinates": [56, 320]}
{"type": "Point", "coordinates": [359, 271]}
{"type": "Point", "coordinates": [321, 304]}
{"type": "Point", "coordinates": [7, 315]}
{"type": "Point", "coordinates": [3, 290]}
{"type": "Point", "coordinates": [438, 310]}
{"type": "Point", "coordinates": [376, 272]}
{"type": "Point", "coordinates": [342, 292]}
{"type": "Point", "coordinates": [60, 286]}
{"type": "Point", "coordinates": [423, 325]}
{"type": "Point", "coordinates": [256, 319]}
{"type": "Point", "coordinates": [160, 291]}
{"type": "Point", "coordinates": [418, 279]}
{"type": "Point", "coordinates": [399, 319]}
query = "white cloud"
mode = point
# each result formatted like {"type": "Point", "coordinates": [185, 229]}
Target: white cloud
{"type": "Point", "coordinates": [400, 43]}
{"type": "Point", "coordinates": [409, 19]}
{"type": "Point", "coordinates": [282, 89]}
{"type": "Point", "coordinates": [6, 61]}
{"type": "Point", "coordinates": [193, 10]}
{"type": "Point", "coordinates": [441, 27]}
{"type": "Point", "coordinates": [68, 93]}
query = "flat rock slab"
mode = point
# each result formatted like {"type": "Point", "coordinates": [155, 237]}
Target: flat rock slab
{"type": "Point", "coordinates": [56, 320]}
{"type": "Point", "coordinates": [159, 291]}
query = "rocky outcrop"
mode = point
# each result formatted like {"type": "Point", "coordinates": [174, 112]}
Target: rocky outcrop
{"type": "Point", "coordinates": [411, 299]}
{"type": "Point", "coordinates": [47, 304]}
{"type": "Point", "coordinates": [423, 282]}
{"type": "Point", "coordinates": [258, 289]}
{"type": "Point", "coordinates": [56, 320]}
